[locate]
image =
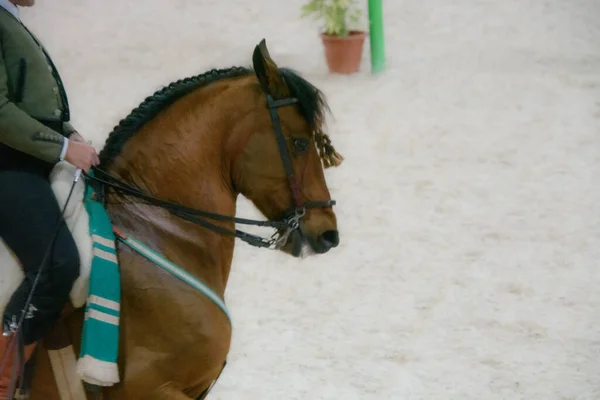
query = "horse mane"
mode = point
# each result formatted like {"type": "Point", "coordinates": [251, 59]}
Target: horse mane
{"type": "Point", "coordinates": [311, 104]}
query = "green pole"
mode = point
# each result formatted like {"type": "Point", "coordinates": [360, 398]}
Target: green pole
{"type": "Point", "coordinates": [376, 35]}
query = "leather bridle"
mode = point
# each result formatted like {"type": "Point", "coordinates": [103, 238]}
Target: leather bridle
{"type": "Point", "coordinates": [287, 224]}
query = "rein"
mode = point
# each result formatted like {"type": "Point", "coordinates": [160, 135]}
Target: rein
{"type": "Point", "coordinates": [285, 225]}
{"type": "Point", "coordinates": [289, 223]}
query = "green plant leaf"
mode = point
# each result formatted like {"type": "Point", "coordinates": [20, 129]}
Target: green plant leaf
{"type": "Point", "coordinates": [336, 14]}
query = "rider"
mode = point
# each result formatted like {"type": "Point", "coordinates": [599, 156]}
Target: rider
{"type": "Point", "coordinates": [34, 127]}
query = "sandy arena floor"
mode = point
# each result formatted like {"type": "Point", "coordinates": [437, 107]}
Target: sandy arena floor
{"type": "Point", "coordinates": [468, 202]}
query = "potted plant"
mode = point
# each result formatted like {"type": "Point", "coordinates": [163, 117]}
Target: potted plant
{"type": "Point", "coordinates": [343, 45]}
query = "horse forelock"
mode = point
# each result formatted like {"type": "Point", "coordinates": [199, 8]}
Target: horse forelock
{"type": "Point", "coordinates": [313, 107]}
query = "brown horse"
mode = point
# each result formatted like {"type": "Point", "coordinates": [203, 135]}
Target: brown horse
{"type": "Point", "coordinates": [198, 143]}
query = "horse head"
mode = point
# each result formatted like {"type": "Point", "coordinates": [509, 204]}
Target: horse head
{"type": "Point", "coordinates": [281, 158]}
{"type": "Point", "coordinates": [201, 141]}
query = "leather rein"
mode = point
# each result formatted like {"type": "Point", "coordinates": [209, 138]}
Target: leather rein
{"type": "Point", "coordinates": [285, 225]}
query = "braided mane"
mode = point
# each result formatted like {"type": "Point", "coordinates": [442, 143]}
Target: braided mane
{"type": "Point", "coordinates": [152, 105]}
{"type": "Point", "coordinates": [311, 104]}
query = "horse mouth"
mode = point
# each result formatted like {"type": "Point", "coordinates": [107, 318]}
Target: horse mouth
{"type": "Point", "coordinates": [297, 245]}
{"type": "Point", "coordinates": [300, 245]}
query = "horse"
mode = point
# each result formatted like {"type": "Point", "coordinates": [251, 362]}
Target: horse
{"type": "Point", "coordinates": [179, 159]}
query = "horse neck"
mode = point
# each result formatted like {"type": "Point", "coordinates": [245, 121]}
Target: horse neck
{"type": "Point", "coordinates": [155, 161]}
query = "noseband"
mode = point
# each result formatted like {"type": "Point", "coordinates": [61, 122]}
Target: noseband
{"type": "Point", "coordinates": [300, 207]}
{"type": "Point", "coordinates": [285, 225]}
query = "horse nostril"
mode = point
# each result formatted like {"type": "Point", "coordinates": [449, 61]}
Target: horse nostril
{"type": "Point", "coordinates": [330, 239]}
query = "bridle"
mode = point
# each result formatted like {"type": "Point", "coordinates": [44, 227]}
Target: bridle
{"type": "Point", "coordinates": [286, 225]}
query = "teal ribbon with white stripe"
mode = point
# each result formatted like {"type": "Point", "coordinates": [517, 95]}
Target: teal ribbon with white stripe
{"type": "Point", "coordinates": [100, 338]}
{"type": "Point", "coordinates": [175, 270]}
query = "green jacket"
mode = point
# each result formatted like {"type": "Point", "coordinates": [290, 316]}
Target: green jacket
{"type": "Point", "coordinates": [31, 92]}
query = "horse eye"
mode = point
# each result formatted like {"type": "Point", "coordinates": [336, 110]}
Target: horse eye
{"type": "Point", "coordinates": [301, 144]}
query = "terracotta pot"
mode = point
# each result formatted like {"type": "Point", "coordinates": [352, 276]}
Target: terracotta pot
{"type": "Point", "coordinates": [343, 54]}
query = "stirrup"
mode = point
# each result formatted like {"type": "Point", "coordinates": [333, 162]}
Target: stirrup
{"type": "Point", "coordinates": [9, 329]}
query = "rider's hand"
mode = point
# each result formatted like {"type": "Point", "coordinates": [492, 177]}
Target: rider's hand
{"type": "Point", "coordinates": [81, 155]}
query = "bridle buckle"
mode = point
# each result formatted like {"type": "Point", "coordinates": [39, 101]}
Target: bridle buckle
{"type": "Point", "coordinates": [292, 223]}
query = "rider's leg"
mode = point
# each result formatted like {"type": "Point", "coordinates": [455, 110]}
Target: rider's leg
{"type": "Point", "coordinates": [29, 214]}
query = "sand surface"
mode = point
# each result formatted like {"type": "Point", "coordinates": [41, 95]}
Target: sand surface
{"type": "Point", "coordinates": [469, 201]}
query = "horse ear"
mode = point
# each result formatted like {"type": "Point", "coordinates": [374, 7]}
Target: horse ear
{"type": "Point", "coordinates": [268, 74]}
